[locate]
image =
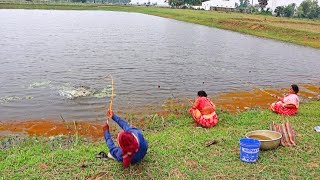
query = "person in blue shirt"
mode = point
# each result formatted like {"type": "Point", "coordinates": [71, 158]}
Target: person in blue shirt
{"type": "Point", "coordinates": [132, 145]}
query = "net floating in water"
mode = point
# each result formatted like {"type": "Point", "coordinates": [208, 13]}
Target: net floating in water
{"type": "Point", "coordinates": [75, 92]}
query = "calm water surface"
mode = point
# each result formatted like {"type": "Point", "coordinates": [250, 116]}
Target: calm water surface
{"type": "Point", "coordinates": [46, 54]}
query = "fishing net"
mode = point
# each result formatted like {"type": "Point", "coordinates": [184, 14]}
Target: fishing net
{"type": "Point", "coordinates": [288, 134]}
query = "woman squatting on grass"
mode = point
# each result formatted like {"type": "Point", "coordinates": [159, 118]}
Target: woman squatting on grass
{"type": "Point", "coordinates": [203, 111]}
{"type": "Point", "coordinates": [132, 145]}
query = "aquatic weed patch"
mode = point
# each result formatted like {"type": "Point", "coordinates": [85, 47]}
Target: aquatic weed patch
{"type": "Point", "coordinates": [40, 84]}
{"type": "Point", "coordinates": [7, 99]}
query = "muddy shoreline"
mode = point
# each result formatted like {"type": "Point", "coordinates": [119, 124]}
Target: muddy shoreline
{"type": "Point", "coordinates": [232, 102]}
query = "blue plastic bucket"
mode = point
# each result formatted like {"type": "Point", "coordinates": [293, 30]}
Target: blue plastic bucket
{"type": "Point", "coordinates": [249, 150]}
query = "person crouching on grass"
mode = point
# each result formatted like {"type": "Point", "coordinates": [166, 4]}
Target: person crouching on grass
{"type": "Point", "coordinates": [203, 111]}
{"type": "Point", "coordinates": [132, 145]}
{"type": "Point", "coordinates": [287, 105]}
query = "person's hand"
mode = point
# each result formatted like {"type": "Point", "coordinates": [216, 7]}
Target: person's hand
{"type": "Point", "coordinates": [105, 127]}
{"type": "Point", "coordinates": [273, 95]}
{"type": "Point", "coordinates": [110, 113]}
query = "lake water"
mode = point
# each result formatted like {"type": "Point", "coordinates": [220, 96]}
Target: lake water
{"type": "Point", "coordinates": [47, 55]}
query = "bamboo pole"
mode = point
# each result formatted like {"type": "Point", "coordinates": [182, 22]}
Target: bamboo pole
{"type": "Point", "coordinates": [112, 95]}
{"type": "Point", "coordinates": [265, 91]}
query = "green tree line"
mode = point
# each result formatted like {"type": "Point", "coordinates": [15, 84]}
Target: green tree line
{"type": "Point", "coordinates": [307, 9]}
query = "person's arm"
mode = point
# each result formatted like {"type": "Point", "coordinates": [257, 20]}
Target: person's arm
{"type": "Point", "coordinates": [279, 98]}
{"type": "Point", "coordinates": [114, 150]}
{"type": "Point", "coordinates": [195, 104]}
{"type": "Point", "coordinates": [122, 123]}
{"type": "Point", "coordinates": [213, 106]}
{"type": "Point", "coordinates": [288, 106]}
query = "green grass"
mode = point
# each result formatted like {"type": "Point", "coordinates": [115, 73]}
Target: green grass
{"type": "Point", "coordinates": [177, 151]}
{"type": "Point", "coordinates": [298, 31]}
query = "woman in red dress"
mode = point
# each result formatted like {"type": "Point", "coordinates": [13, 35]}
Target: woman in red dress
{"type": "Point", "coordinates": [203, 111]}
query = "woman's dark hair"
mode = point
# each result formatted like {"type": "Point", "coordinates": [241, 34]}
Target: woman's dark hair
{"type": "Point", "coordinates": [202, 94]}
{"type": "Point", "coordinates": [295, 88]}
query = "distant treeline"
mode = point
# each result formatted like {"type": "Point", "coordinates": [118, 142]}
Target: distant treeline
{"type": "Point", "coordinates": [307, 9]}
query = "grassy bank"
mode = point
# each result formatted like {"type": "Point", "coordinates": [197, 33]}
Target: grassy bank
{"type": "Point", "coordinates": [298, 31]}
{"type": "Point", "coordinates": [176, 150]}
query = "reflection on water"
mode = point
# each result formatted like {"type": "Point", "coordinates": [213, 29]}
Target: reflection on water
{"type": "Point", "coordinates": [150, 58]}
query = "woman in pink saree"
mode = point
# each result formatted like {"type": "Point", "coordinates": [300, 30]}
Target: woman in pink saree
{"type": "Point", "coordinates": [287, 105]}
{"type": "Point", "coordinates": [203, 111]}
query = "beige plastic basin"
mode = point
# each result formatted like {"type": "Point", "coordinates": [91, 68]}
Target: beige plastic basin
{"type": "Point", "coordinates": [268, 139]}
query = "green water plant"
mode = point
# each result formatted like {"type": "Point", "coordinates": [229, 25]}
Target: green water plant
{"type": "Point", "coordinates": [7, 99]}
{"type": "Point", "coordinates": [40, 84]}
